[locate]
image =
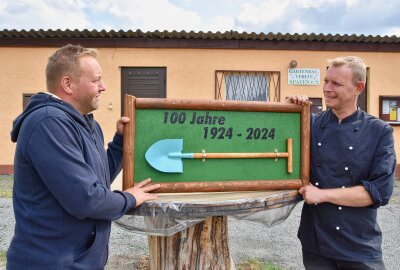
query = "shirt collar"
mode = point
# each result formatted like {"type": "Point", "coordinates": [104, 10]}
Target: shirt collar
{"type": "Point", "coordinates": [353, 116]}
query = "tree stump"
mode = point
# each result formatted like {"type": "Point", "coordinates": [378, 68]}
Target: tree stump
{"type": "Point", "coordinates": [203, 246]}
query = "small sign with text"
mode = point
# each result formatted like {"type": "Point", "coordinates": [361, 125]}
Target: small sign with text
{"type": "Point", "coordinates": [303, 76]}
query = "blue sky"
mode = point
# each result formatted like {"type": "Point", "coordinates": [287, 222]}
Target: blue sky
{"type": "Point", "coordinates": [367, 17]}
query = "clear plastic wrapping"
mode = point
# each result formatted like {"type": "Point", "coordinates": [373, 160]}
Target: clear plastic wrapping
{"type": "Point", "coordinates": [174, 212]}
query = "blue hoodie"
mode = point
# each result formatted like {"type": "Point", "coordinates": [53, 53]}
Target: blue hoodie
{"type": "Point", "coordinates": [62, 201]}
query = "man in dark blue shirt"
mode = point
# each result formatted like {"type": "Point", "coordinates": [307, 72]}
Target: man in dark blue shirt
{"type": "Point", "coordinates": [352, 174]}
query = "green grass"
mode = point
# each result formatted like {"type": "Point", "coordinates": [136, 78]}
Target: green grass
{"type": "Point", "coordinates": [6, 177]}
{"type": "Point", "coordinates": [139, 246]}
{"type": "Point", "coordinates": [3, 258]}
{"type": "Point", "coordinates": [395, 199]}
{"type": "Point", "coordinates": [6, 184]}
{"type": "Point", "coordinates": [256, 264]}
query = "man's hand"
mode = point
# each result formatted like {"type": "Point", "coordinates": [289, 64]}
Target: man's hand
{"type": "Point", "coordinates": [312, 194]}
{"type": "Point", "coordinates": [356, 196]}
{"type": "Point", "coordinates": [141, 191]}
{"type": "Point", "coordinates": [298, 99]}
{"type": "Point", "coordinates": [120, 124]}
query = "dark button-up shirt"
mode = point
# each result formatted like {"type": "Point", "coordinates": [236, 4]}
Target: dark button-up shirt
{"type": "Point", "coordinates": [357, 151]}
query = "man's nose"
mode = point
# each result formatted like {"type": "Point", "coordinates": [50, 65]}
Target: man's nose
{"type": "Point", "coordinates": [102, 86]}
{"type": "Point", "coordinates": [327, 87]}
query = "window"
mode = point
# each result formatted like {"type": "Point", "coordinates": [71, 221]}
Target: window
{"type": "Point", "coordinates": [247, 85]}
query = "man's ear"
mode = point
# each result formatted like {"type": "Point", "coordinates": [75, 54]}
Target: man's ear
{"type": "Point", "coordinates": [360, 87]}
{"type": "Point", "coordinates": [66, 84]}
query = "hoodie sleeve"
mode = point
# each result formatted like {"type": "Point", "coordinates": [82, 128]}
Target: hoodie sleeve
{"type": "Point", "coordinates": [55, 150]}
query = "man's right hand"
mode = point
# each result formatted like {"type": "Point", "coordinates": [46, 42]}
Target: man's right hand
{"type": "Point", "coordinates": [141, 191]}
{"type": "Point", "coordinates": [298, 99]}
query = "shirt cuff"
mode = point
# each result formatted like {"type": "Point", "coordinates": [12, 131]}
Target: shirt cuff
{"type": "Point", "coordinates": [131, 200]}
{"type": "Point", "coordinates": [118, 139]}
{"type": "Point", "coordinates": [374, 193]}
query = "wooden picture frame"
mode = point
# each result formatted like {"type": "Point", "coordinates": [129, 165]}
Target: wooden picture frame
{"type": "Point", "coordinates": [136, 108]}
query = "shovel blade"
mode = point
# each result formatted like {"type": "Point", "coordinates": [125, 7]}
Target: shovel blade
{"type": "Point", "coordinates": [158, 155]}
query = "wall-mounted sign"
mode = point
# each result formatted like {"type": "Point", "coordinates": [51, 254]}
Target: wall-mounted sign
{"type": "Point", "coordinates": [389, 109]}
{"type": "Point", "coordinates": [303, 76]}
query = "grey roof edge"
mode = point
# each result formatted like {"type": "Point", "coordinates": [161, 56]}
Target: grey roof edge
{"type": "Point", "coordinates": [228, 35]}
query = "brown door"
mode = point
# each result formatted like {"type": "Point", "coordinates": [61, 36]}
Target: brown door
{"type": "Point", "coordinates": [316, 106]}
{"type": "Point", "coordinates": [25, 100]}
{"type": "Point", "coordinates": [143, 82]}
{"type": "Point", "coordinates": [362, 99]}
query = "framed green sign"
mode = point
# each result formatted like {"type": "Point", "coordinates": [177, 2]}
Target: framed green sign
{"type": "Point", "coordinates": [209, 145]}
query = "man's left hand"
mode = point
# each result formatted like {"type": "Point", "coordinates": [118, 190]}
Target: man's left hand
{"type": "Point", "coordinates": [312, 194]}
{"type": "Point", "coordinates": [120, 124]}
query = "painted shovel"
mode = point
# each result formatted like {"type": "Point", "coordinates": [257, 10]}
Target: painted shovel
{"type": "Point", "coordinates": [166, 155]}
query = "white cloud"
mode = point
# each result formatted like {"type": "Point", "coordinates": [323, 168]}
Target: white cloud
{"type": "Point", "coordinates": [298, 26]}
{"type": "Point", "coordinates": [314, 3]}
{"type": "Point", "coordinates": [372, 17]}
{"type": "Point", "coordinates": [285, 16]}
{"type": "Point", "coordinates": [267, 12]}
{"type": "Point", "coordinates": [220, 23]}
{"type": "Point", "coordinates": [150, 15]}
{"type": "Point", "coordinates": [352, 3]}
{"type": "Point", "coordinates": [319, 16]}
{"type": "Point", "coordinates": [392, 31]}
{"type": "Point", "coordinates": [25, 14]}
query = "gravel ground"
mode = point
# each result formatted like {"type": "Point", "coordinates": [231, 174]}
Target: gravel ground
{"type": "Point", "coordinates": [277, 244]}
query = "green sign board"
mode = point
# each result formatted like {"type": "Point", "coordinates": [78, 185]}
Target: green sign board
{"type": "Point", "coordinates": [215, 145]}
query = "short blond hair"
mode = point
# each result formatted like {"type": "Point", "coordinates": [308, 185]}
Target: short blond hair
{"type": "Point", "coordinates": [65, 61]}
{"type": "Point", "coordinates": [356, 64]}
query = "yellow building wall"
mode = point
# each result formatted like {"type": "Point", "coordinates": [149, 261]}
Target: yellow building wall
{"type": "Point", "coordinates": [190, 74]}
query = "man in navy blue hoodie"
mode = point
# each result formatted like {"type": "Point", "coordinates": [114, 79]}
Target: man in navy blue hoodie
{"type": "Point", "coordinates": [62, 200]}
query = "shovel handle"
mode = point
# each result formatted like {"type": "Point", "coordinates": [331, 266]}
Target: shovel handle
{"type": "Point", "coordinates": [276, 155]}
{"type": "Point", "coordinates": [241, 155]}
